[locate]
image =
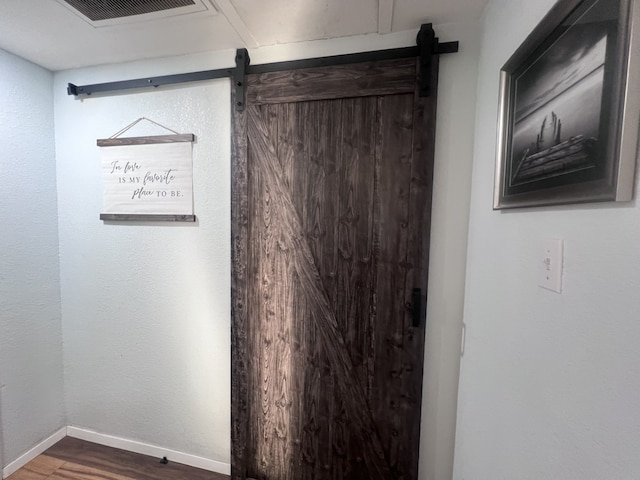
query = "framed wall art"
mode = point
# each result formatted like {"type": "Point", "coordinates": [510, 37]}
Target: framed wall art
{"type": "Point", "coordinates": [569, 108]}
{"type": "Point", "coordinates": [147, 178]}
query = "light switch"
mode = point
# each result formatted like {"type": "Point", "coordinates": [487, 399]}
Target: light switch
{"type": "Point", "coordinates": [550, 268]}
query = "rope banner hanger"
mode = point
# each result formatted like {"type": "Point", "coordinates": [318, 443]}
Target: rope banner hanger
{"type": "Point", "coordinates": [115, 140]}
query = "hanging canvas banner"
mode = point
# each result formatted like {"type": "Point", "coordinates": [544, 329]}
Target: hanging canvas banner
{"type": "Point", "coordinates": [147, 175]}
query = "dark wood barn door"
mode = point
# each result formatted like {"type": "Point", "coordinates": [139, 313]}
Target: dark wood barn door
{"type": "Point", "coordinates": [332, 175]}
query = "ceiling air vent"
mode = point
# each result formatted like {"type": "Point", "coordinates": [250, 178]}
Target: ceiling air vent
{"type": "Point", "coordinates": [107, 10]}
{"type": "Point", "coordinates": [101, 13]}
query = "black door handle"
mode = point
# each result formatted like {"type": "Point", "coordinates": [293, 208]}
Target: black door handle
{"type": "Point", "coordinates": [417, 304]}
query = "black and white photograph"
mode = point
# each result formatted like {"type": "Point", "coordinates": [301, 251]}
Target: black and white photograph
{"type": "Point", "coordinates": [558, 106]}
{"type": "Point", "coordinates": [562, 108]}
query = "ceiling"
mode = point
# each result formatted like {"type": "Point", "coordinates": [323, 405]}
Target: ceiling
{"type": "Point", "coordinates": [51, 34]}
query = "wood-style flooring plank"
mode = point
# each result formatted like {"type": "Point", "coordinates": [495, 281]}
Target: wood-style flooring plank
{"type": "Point", "coordinates": [24, 474]}
{"type": "Point", "coordinates": [120, 462]}
{"type": "Point", "coordinates": [74, 471]}
{"type": "Point", "coordinates": [37, 469]}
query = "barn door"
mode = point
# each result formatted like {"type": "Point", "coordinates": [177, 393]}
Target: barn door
{"type": "Point", "coordinates": [332, 174]}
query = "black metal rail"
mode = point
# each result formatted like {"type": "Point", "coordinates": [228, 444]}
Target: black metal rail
{"type": "Point", "coordinates": [428, 44]}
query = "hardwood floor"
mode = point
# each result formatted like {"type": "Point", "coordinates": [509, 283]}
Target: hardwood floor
{"type": "Point", "coordinates": [73, 459]}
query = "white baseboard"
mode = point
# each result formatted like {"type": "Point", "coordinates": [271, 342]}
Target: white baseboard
{"type": "Point", "coordinates": [151, 450]}
{"type": "Point", "coordinates": [34, 452]}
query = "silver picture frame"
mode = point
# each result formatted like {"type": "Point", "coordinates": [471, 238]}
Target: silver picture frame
{"type": "Point", "coordinates": [569, 108]}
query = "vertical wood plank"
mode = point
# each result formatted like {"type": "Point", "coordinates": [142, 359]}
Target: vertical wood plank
{"type": "Point", "coordinates": [286, 119]}
{"type": "Point", "coordinates": [271, 331]}
{"type": "Point", "coordinates": [356, 246]}
{"type": "Point", "coordinates": [312, 176]}
{"type": "Point", "coordinates": [325, 221]}
{"type": "Point", "coordinates": [281, 322]}
{"type": "Point", "coordinates": [310, 371]}
{"type": "Point", "coordinates": [240, 366]}
{"type": "Point", "coordinates": [255, 311]}
{"type": "Point", "coordinates": [290, 152]}
{"type": "Point", "coordinates": [286, 405]}
{"type": "Point", "coordinates": [316, 227]}
{"type": "Point", "coordinates": [355, 239]}
{"type": "Point", "coordinates": [396, 119]}
{"type": "Point", "coordinates": [423, 152]}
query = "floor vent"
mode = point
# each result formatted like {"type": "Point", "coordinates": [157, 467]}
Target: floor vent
{"type": "Point", "coordinates": [96, 10]}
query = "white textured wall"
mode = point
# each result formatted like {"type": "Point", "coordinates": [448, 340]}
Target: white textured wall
{"type": "Point", "coordinates": [145, 307]}
{"type": "Point", "coordinates": [550, 383]}
{"type": "Point", "coordinates": [31, 382]}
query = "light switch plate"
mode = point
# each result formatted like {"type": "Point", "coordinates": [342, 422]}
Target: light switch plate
{"type": "Point", "coordinates": [551, 262]}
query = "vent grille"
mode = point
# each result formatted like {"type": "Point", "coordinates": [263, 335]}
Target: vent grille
{"type": "Point", "coordinates": [96, 10]}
